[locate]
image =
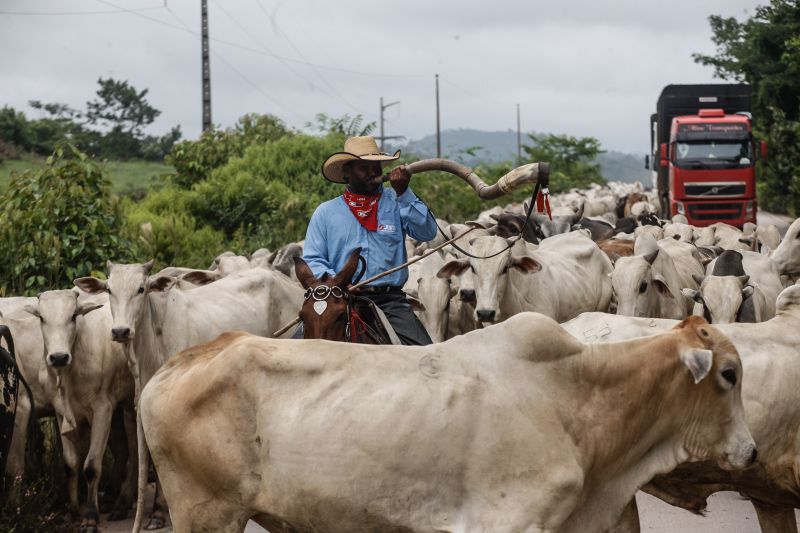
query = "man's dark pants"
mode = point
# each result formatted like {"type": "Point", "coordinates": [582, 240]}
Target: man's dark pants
{"type": "Point", "coordinates": [399, 314]}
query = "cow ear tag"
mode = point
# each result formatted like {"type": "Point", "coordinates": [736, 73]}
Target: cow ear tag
{"type": "Point", "coordinates": [320, 306]}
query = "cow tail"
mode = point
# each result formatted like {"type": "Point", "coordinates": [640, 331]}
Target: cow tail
{"type": "Point", "coordinates": [144, 459]}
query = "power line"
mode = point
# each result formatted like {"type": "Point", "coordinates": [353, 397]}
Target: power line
{"type": "Point", "coordinates": [236, 71]}
{"type": "Point", "coordinates": [261, 52]}
{"type": "Point", "coordinates": [68, 13]}
{"type": "Point", "coordinates": [310, 65]}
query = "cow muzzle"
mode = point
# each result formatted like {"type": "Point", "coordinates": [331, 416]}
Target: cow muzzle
{"type": "Point", "coordinates": [486, 315]}
{"type": "Point", "coordinates": [742, 457]}
{"type": "Point", "coordinates": [58, 359]}
{"type": "Point", "coordinates": [121, 334]}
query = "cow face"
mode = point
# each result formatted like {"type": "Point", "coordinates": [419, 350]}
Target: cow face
{"type": "Point", "coordinates": [434, 293]}
{"type": "Point", "coordinates": [637, 288]}
{"type": "Point", "coordinates": [127, 287]}
{"type": "Point", "coordinates": [715, 426]}
{"type": "Point", "coordinates": [721, 297]}
{"type": "Point", "coordinates": [787, 255]}
{"type": "Point", "coordinates": [490, 274]}
{"type": "Point", "coordinates": [58, 312]}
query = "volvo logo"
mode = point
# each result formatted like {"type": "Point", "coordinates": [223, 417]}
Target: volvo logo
{"type": "Point", "coordinates": [714, 190]}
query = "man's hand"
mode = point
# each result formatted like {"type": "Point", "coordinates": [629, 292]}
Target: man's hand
{"type": "Point", "coordinates": [399, 178]}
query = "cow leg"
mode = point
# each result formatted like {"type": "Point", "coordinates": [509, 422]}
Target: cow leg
{"type": "Point", "coordinates": [629, 519]}
{"type": "Point", "coordinates": [128, 486]}
{"type": "Point", "coordinates": [119, 451]}
{"type": "Point", "coordinates": [93, 466]}
{"type": "Point", "coordinates": [15, 467]}
{"type": "Point", "coordinates": [70, 445]}
{"type": "Point", "coordinates": [158, 519]}
{"type": "Point", "coordinates": [774, 519]}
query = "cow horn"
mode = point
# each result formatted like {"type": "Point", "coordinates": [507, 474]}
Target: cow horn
{"type": "Point", "coordinates": [530, 173]}
{"type": "Point", "coordinates": [651, 256]}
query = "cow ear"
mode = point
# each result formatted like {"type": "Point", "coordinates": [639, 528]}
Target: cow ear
{"type": "Point", "coordinates": [526, 264]}
{"type": "Point", "coordinates": [87, 307]}
{"type": "Point", "coordinates": [661, 286]}
{"type": "Point", "coordinates": [416, 305]}
{"type": "Point", "coordinates": [91, 285]}
{"type": "Point", "coordinates": [476, 224]}
{"type": "Point", "coordinates": [200, 277]}
{"type": "Point", "coordinates": [698, 361]}
{"type": "Point", "coordinates": [453, 268]}
{"type": "Point", "coordinates": [162, 283]}
{"type": "Point", "coordinates": [32, 310]}
{"type": "Point", "coordinates": [747, 291]}
{"type": "Point", "coordinates": [693, 295]}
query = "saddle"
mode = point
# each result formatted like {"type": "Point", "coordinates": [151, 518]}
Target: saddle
{"type": "Point", "coordinates": [367, 321]}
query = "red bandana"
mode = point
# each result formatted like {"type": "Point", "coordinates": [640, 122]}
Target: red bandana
{"type": "Point", "coordinates": [364, 207]}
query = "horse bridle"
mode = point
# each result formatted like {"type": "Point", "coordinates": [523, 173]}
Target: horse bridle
{"type": "Point", "coordinates": [355, 326]}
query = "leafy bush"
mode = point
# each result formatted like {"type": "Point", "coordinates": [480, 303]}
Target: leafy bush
{"type": "Point", "coordinates": [163, 229]}
{"type": "Point", "coordinates": [57, 223]}
{"type": "Point", "coordinates": [267, 196]}
{"type": "Point", "coordinates": [195, 160]}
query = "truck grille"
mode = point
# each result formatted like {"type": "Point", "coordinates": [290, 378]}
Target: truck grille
{"type": "Point", "coordinates": [715, 211]}
{"type": "Point", "coordinates": [715, 188]}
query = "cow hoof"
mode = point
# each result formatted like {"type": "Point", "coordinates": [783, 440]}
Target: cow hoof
{"type": "Point", "coordinates": [154, 523]}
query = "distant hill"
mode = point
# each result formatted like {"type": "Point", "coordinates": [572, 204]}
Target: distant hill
{"type": "Point", "coordinates": [475, 146]}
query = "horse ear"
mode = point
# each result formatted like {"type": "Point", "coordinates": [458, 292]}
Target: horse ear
{"type": "Point", "coordinates": [303, 272]}
{"type": "Point", "coordinates": [345, 276]}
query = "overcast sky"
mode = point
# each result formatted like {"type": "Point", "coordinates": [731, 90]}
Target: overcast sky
{"type": "Point", "coordinates": [582, 67]}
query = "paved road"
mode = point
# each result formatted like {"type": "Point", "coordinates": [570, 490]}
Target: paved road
{"type": "Point", "coordinates": [781, 221]}
{"type": "Point", "coordinates": [727, 513]}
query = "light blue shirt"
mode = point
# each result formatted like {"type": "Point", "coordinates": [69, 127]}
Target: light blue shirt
{"type": "Point", "coordinates": [333, 233]}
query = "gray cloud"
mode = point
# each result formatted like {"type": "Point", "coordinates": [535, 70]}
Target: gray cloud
{"type": "Point", "coordinates": [578, 67]}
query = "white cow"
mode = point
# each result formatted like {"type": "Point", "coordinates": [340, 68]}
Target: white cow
{"type": "Point", "coordinates": [736, 278]}
{"type": "Point", "coordinates": [517, 427]}
{"type": "Point", "coordinates": [787, 255]}
{"type": "Point", "coordinates": [771, 372]}
{"type": "Point", "coordinates": [86, 377]}
{"type": "Point", "coordinates": [157, 321]}
{"type": "Point", "coordinates": [566, 275]}
{"type": "Point", "coordinates": [433, 295]}
{"type": "Point", "coordinates": [648, 284]}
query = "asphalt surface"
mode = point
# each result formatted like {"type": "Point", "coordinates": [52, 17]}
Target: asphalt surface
{"type": "Point", "coordinates": [727, 513]}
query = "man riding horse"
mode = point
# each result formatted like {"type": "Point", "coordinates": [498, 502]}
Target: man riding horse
{"type": "Point", "coordinates": [374, 219]}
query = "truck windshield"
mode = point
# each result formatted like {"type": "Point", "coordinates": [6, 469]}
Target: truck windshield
{"type": "Point", "coordinates": [713, 154]}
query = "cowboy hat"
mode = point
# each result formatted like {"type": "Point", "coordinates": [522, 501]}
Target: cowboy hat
{"type": "Point", "coordinates": [355, 148]}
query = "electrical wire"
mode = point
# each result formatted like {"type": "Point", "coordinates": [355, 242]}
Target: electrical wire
{"type": "Point", "coordinates": [236, 71]}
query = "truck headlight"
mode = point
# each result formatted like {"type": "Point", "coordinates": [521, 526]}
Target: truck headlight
{"type": "Point", "coordinates": [679, 208]}
{"type": "Point", "coordinates": [749, 208]}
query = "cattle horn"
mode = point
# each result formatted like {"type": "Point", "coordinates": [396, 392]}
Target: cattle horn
{"type": "Point", "coordinates": [651, 256]}
{"type": "Point", "coordinates": [530, 173]}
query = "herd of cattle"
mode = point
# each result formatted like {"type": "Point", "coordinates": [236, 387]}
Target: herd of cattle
{"type": "Point", "coordinates": [543, 421]}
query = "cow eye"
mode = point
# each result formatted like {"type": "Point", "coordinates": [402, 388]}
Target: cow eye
{"type": "Point", "coordinates": [642, 287]}
{"type": "Point", "coordinates": [505, 269]}
{"type": "Point", "coordinates": [141, 290]}
{"type": "Point", "coordinates": [472, 268]}
{"type": "Point", "coordinates": [730, 376]}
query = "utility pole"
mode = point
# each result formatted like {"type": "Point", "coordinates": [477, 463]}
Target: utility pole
{"type": "Point", "coordinates": [206, 67]}
{"type": "Point", "coordinates": [438, 131]}
{"type": "Point", "coordinates": [519, 139]}
{"type": "Point", "coordinates": [382, 136]}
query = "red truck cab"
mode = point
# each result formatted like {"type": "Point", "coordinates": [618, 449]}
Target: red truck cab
{"type": "Point", "coordinates": [712, 157]}
{"type": "Point", "coordinates": [704, 154]}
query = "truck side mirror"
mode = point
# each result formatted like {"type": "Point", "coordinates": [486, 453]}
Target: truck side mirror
{"type": "Point", "coordinates": [647, 162]}
{"type": "Point", "coordinates": [664, 155]}
{"type": "Point", "coordinates": [763, 146]}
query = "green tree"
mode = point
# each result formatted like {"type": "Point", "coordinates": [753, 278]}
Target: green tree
{"type": "Point", "coordinates": [344, 125]}
{"type": "Point", "coordinates": [123, 111]}
{"type": "Point", "coordinates": [58, 222]}
{"type": "Point", "coordinates": [764, 51]}
{"type": "Point", "coordinates": [572, 159]}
